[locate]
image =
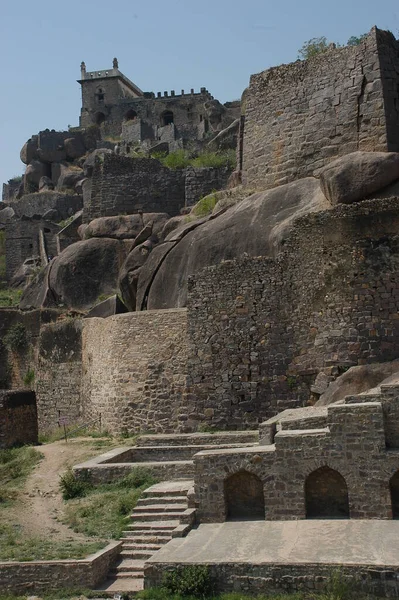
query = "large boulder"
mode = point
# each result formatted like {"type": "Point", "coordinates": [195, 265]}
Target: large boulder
{"type": "Point", "coordinates": [129, 275]}
{"type": "Point", "coordinates": [68, 178]}
{"type": "Point", "coordinates": [45, 184]}
{"type": "Point", "coordinates": [357, 175]}
{"type": "Point", "coordinates": [33, 174]}
{"type": "Point", "coordinates": [125, 227]}
{"type": "Point", "coordinates": [85, 271]}
{"type": "Point", "coordinates": [6, 214]}
{"type": "Point", "coordinates": [74, 147]}
{"type": "Point", "coordinates": [223, 236]}
{"type": "Point", "coordinates": [359, 380]}
{"type": "Point", "coordinates": [88, 164]}
{"type": "Point", "coordinates": [29, 150]}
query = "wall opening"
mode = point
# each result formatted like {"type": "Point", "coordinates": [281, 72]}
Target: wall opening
{"type": "Point", "coordinates": [100, 96]}
{"type": "Point", "coordinates": [130, 115]}
{"type": "Point", "coordinates": [167, 118]}
{"type": "Point", "coordinates": [99, 118]}
{"type": "Point", "coordinates": [326, 495]}
{"type": "Point", "coordinates": [244, 498]}
{"type": "Point", "coordinates": [394, 487]}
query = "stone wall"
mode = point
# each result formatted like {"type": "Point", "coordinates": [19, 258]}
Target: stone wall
{"type": "Point", "coordinates": [18, 418]}
{"type": "Point", "coordinates": [49, 575]}
{"type": "Point", "coordinates": [123, 185]}
{"type": "Point", "coordinates": [260, 329]}
{"type": "Point", "coordinates": [301, 116]}
{"type": "Point", "coordinates": [19, 333]}
{"type": "Point", "coordinates": [351, 446]}
{"type": "Point", "coordinates": [275, 579]}
{"type": "Point", "coordinates": [59, 373]}
{"type": "Point", "coordinates": [134, 371]}
{"type": "Point", "coordinates": [41, 202]}
{"type": "Point", "coordinates": [201, 182]}
{"type": "Point", "coordinates": [23, 241]}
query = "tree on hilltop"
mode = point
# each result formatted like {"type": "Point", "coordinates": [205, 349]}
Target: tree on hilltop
{"type": "Point", "coordinates": [355, 40]}
{"type": "Point", "coordinates": [313, 47]}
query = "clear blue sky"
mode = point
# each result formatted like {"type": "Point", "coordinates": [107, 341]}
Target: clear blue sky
{"type": "Point", "coordinates": [161, 45]}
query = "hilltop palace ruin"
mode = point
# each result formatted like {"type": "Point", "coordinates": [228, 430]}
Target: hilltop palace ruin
{"type": "Point", "coordinates": [242, 318]}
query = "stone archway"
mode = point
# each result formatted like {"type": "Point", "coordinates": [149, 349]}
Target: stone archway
{"type": "Point", "coordinates": [167, 118]}
{"type": "Point", "coordinates": [243, 493]}
{"type": "Point", "coordinates": [131, 115]}
{"type": "Point", "coordinates": [394, 488]}
{"type": "Point", "coordinates": [99, 118]}
{"type": "Point", "coordinates": [326, 495]}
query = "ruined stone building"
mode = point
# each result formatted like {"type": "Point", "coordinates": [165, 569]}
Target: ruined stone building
{"type": "Point", "coordinates": [111, 100]}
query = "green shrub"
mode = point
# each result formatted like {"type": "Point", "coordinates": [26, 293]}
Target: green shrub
{"type": "Point", "coordinates": [29, 377]}
{"type": "Point", "coordinates": [9, 297]}
{"type": "Point", "coordinates": [192, 580]}
{"type": "Point", "coordinates": [205, 206]}
{"type": "Point", "coordinates": [15, 338]}
{"type": "Point", "coordinates": [180, 159]}
{"type": "Point", "coordinates": [215, 159]}
{"type": "Point", "coordinates": [72, 487]}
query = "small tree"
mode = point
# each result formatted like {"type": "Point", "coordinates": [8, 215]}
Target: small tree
{"type": "Point", "coordinates": [313, 47]}
{"type": "Point", "coordinates": [355, 40]}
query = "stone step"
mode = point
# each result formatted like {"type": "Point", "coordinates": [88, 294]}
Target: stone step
{"type": "Point", "coordinates": [137, 554]}
{"type": "Point", "coordinates": [151, 537]}
{"type": "Point", "coordinates": [179, 487]}
{"type": "Point", "coordinates": [130, 546]}
{"type": "Point", "coordinates": [126, 574]}
{"type": "Point", "coordinates": [155, 525]}
{"type": "Point", "coordinates": [147, 508]}
{"type": "Point", "coordinates": [133, 566]}
{"type": "Point", "coordinates": [190, 439]}
{"type": "Point", "coordinates": [162, 499]}
{"type": "Point", "coordinates": [116, 585]}
{"type": "Point", "coordinates": [141, 517]}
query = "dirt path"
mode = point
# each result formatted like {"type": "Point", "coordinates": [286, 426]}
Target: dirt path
{"type": "Point", "coordinates": [41, 501]}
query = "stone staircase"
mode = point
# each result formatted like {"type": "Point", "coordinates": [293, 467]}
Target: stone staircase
{"type": "Point", "coordinates": [162, 513]}
{"type": "Point", "coordinates": [165, 510]}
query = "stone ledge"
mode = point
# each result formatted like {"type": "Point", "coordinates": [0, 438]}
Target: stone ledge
{"type": "Point", "coordinates": [43, 575]}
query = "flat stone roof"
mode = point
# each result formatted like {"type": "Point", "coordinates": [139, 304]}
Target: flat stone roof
{"type": "Point", "coordinates": [340, 542]}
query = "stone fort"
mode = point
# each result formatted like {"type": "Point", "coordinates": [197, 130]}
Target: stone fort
{"type": "Point", "coordinates": [272, 320]}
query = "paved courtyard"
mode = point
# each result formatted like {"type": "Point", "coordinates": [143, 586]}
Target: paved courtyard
{"type": "Point", "coordinates": [287, 542]}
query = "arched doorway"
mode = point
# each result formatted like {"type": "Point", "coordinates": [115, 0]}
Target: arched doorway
{"type": "Point", "coordinates": [244, 497]}
{"type": "Point", "coordinates": [326, 495]}
{"type": "Point", "coordinates": [130, 115]}
{"type": "Point", "coordinates": [394, 488]}
{"type": "Point", "coordinates": [167, 118]}
{"type": "Point", "coordinates": [99, 118]}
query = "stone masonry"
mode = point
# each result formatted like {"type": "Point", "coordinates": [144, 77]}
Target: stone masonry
{"type": "Point", "coordinates": [328, 301]}
{"type": "Point", "coordinates": [18, 418]}
{"type": "Point", "coordinates": [301, 116]}
{"type": "Point", "coordinates": [350, 442]}
{"type": "Point", "coordinates": [134, 370]}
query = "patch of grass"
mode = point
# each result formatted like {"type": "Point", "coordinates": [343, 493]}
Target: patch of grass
{"type": "Point", "coordinates": [16, 464]}
{"type": "Point", "coordinates": [215, 159]}
{"type": "Point", "coordinates": [104, 509]}
{"type": "Point", "coordinates": [29, 377]}
{"type": "Point", "coordinates": [9, 297]}
{"type": "Point", "coordinates": [13, 546]}
{"type": "Point", "coordinates": [15, 338]}
{"type": "Point", "coordinates": [180, 159]}
{"type": "Point", "coordinates": [205, 205]}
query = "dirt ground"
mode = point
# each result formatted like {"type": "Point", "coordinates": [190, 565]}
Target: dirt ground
{"type": "Point", "coordinates": [40, 502]}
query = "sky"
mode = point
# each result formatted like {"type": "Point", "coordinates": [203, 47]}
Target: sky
{"type": "Point", "coordinates": [160, 44]}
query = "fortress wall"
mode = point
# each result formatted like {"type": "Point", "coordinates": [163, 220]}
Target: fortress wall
{"type": "Point", "coordinates": [40, 202]}
{"type": "Point", "coordinates": [329, 301]}
{"type": "Point", "coordinates": [301, 116]}
{"type": "Point", "coordinates": [134, 370]}
{"type": "Point", "coordinates": [123, 185]}
{"type": "Point", "coordinates": [18, 418]}
{"type": "Point", "coordinates": [59, 373]}
{"type": "Point", "coordinates": [201, 182]}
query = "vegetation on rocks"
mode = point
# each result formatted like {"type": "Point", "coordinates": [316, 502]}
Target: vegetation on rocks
{"type": "Point", "coordinates": [180, 159]}
{"type": "Point", "coordinates": [9, 297]}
